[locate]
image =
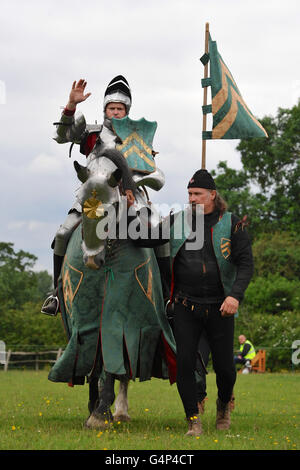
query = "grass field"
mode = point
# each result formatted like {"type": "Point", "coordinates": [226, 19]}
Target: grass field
{"type": "Point", "coordinates": [36, 414]}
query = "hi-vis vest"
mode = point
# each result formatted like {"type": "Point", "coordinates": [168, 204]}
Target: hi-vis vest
{"type": "Point", "coordinates": [251, 353]}
{"type": "Point", "coordinates": [221, 239]}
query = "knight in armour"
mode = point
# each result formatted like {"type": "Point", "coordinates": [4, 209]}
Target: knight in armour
{"type": "Point", "coordinates": [72, 128]}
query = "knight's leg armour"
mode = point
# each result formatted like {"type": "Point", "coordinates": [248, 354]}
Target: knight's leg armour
{"type": "Point", "coordinates": [51, 304]}
{"type": "Point", "coordinates": [64, 233]}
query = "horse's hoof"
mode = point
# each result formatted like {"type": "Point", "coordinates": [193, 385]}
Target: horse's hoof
{"type": "Point", "coordinates": [124, 418]}
{"type": "Point", "coordinates": [96, 421]}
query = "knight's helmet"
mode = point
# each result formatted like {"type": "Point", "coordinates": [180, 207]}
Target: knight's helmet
{"type": "Point", "coordinates": [118, 91]}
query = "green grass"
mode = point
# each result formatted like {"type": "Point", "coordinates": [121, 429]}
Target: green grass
{"type": "Point", "coordinates": [36, 414]}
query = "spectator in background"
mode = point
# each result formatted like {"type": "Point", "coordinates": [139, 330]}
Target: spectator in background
{"type": "Point", "coordinates": [247, 352]}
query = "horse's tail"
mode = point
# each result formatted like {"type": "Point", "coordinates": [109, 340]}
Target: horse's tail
{"type": "Point", "coordinates": [118, 159]}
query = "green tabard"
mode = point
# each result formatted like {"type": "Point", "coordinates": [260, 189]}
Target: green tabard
{"type": "Point", "coordinates": [221, 239]}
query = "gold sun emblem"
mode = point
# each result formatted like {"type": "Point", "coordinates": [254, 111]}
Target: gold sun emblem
{"type": "Point", "coordinates": [92, 207]}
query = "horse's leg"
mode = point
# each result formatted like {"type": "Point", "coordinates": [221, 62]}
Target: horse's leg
{"type": "Point", "coordinates": [93, 394]}
{"type": "Point", "coordinates": [101, 417]}
{"type": "Point", "coordinates": [121, 404]}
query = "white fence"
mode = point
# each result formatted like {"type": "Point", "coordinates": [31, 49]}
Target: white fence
{"type": "Point", "coordinates": [12, 358]}
{"type": "Point", "coordinates": [34, 357]}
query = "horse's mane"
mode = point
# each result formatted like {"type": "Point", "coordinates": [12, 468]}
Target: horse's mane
{"type": "Point", "coordinates": [118, 159]}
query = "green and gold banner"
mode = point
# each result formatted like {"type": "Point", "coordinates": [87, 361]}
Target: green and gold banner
{"type": "Point", "coordinates": [232, 118]}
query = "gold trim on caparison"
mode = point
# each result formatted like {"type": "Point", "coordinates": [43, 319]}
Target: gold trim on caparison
{"type": "Point", "coordinates": [67, 285]}
{"type": "Point", "coordinates": [147, 293]}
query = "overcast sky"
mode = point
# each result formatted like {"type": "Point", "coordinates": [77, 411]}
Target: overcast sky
{"type": "Point", "coordinates": [156, 45]}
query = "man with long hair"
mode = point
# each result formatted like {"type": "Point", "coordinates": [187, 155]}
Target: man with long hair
{"type": "Point", "coordinates": [207, 284]}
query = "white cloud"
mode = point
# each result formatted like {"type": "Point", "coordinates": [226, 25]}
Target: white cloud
{"type": "Point", "coordinates": [29, 226]}
{"type": "Point", "coordinates": [46, 164]}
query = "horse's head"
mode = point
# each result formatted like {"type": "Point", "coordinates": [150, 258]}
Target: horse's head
{"type": "Point", "coordinates": [100, 198]}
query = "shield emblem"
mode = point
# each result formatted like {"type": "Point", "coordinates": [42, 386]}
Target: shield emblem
{"type": "Point", "coordinates": [137, 138]}
{"type": "Point", "coordinates": [225, 247]}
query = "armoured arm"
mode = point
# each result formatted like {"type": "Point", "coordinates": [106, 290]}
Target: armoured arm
{"type": "Point", "coordinates": [70, 128]}
{"type": "Point", "coordinates": [155, 180]}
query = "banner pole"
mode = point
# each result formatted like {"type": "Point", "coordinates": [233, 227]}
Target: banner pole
{"type": "Point", "coordinates": [203, 163]}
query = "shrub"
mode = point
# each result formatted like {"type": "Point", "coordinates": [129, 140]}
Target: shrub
{"type": "Point", "coordinates": [273, 294]}
{"type": "Point", "coordinates": [275, 333]}
{"type": "Point", "coordinates": [28, 326]}
{"type": "Point", "coordinates": [277, 253]}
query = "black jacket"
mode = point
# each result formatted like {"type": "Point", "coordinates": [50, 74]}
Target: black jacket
{"type": "Point", "coordinates": [196, 273]}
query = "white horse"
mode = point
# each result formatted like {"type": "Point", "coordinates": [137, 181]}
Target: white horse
{"type": "Point", "coordinates": [111, 293]}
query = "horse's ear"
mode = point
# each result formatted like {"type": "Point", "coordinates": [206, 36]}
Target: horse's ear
{"type": "Point", "coordinates": [115, 178]}
{"type": "Point", "coordinates": [82, 172]}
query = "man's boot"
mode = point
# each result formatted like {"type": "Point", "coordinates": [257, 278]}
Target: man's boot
{"type": "Point", "coordinates": [195, 427]}
{"type": "Point", "coordinates": [223, 415]}
{"type": "Point", "coordinates": [201, 406]}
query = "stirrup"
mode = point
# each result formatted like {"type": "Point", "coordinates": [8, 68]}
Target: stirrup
{"type": "Point", "coordinates": [51, 301]}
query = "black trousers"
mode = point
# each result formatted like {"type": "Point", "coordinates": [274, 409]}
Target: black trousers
{"type": "Point", "coordinates": [238, 360]}
{"type": "Point", "coordinates": [188, 327]}
{"type": "Point", "coordinates": [204, 351]}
